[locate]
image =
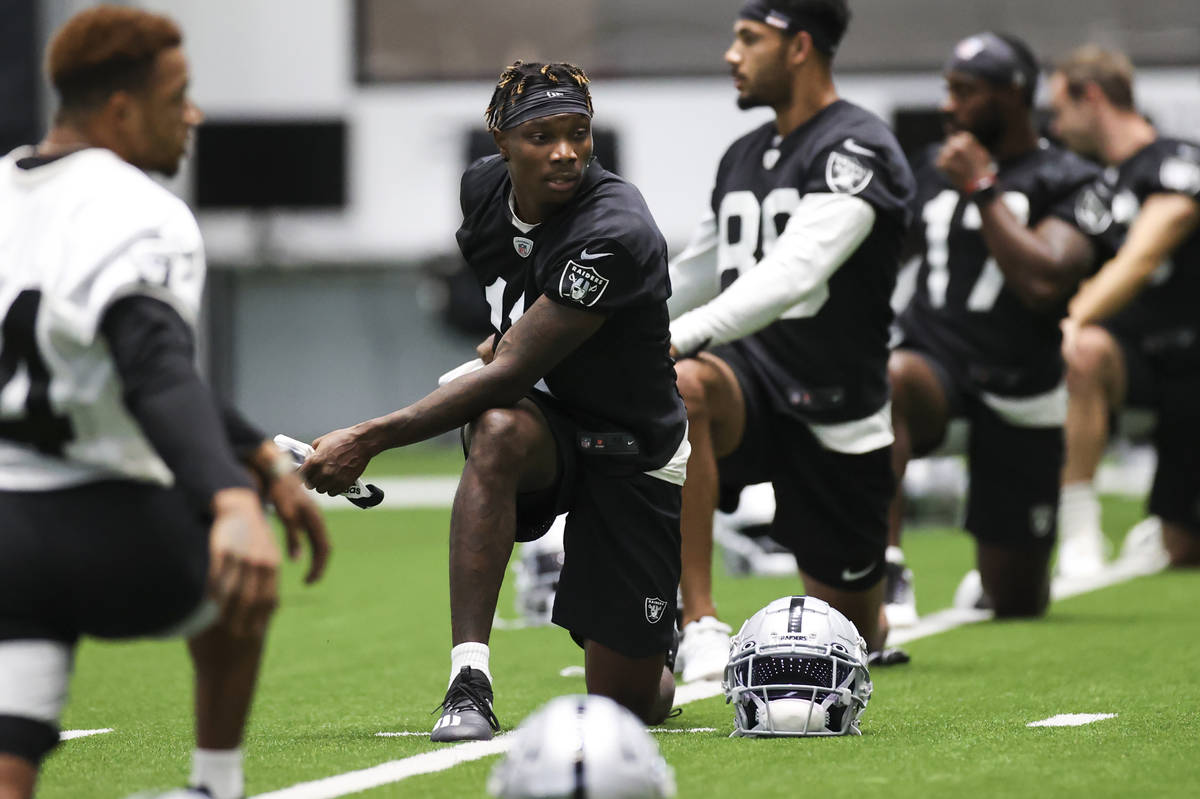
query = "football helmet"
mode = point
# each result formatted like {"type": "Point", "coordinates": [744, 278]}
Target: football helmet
{"type": "Point", "coordinates": [537, 568]}
{"type": "Point", "coordinates": [582, 746]}
{"type": "Point", "coordinates": [797, 667]}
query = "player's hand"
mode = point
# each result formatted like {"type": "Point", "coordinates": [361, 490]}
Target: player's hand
{"type": "Point", "coordinates": [338, 460]}
{"type": "Point", "coordinates": [276, 473]}
{"type": "Point", "coordinates": [301, 518]}
{"type": "Point", "coordinates": [486, 348]}
{"type": "Point", "coordinates": [963, 160]}
{"type": "Point", "coordinates": [244, 562]}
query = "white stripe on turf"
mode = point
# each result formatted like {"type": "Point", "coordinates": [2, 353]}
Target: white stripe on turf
{"type": "Point", "coordinates": [392, 771]}
{"type": "Point", "coordinates": [1071, 719]}
{"type": "Point", "coordinates": [67, 735]}
{"type": "Point", "coordinates": [442, 759]}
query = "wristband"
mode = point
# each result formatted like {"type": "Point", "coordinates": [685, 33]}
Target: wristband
{"type": "Point", "coordinates": [982, 190]}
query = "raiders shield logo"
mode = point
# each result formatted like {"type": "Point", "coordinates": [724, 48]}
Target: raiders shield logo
{"type": "Point", "coordinates": [581, 284]}
{"type": "Point", "coordinates": [654, 609]}
{"type": "Point", "coordinates": [846, 174]}
{"type": "Point", "coordinates": [1091, 213]}
{"type": "Point", "coordinates": [523, 246]}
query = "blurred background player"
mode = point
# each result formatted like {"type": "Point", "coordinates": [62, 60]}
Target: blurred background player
{"type": "Point", "coordinates": [582, 746]}
{"type": "Point", "coordinates": [123, 502]}
{"type": "Point", "coordinates": [575, 410]}
{"type": "Point", "coordinates": [1000, 254]}
{"type": "Point", "coordinates": [785, 288]}
{"type": "Point", "coordinates": [1132, 337]}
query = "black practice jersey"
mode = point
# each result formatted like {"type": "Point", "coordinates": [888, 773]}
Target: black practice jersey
{"type": "Point", "coordinates": [962, 312]}
{"type": "Point", "coordinates": [1165, 315]}
{"type": "Point", "coordinates": [824, 360]}
{"type": "Point", "coordinates": [601, 252]}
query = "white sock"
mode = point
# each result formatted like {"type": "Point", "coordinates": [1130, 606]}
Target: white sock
{"type": "Point", "coordinates": [1078, 510]}
{"type": "Point", "coordinates": [470, 654]}
{"type": "Point", "coordinates": [894, 554]}
{"type": "Point", "coordinates": [220, 771]}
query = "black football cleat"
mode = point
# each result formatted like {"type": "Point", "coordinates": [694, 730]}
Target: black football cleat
{"type": "Point", "coordinates": [467, 710]}
{"type": "Point", "coordinates": [890, 656]}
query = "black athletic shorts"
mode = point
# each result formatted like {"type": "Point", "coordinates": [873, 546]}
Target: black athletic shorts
{"type": "Point", "coordinates": [1015, 470]}
{"type": "Point", "coordinates": [111, 559]}
{"type": "Point", "coordinates": [1168, 384]}
{"type": "Point", "coordinates": [622, 540]}
{"type": "Point", "coordinates": [831, 508]}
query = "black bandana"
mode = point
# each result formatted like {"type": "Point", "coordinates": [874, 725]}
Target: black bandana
{"type": "Point", "coordinates": [545, 101]}
{"type": "Point", "coordinates": [988, 56]}
{"type": "Point", "coordinates": [762, 11]}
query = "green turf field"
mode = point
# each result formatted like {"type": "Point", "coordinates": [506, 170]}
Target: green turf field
{"type": "Point", "coordinates": [367, 651]}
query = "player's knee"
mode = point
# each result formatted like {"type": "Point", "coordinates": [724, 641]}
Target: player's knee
{"type": "Point", "coordinates": [1019, 604]}
{"type": "Point", "coordinates": [1092, 359]}
{"type": "Point", "coordinates": [1182, 545]}
{"type": "Point", "coordinates": [692, 380]}
{"type": "Point", "coordinates": [499, 440]}
{"type": "Point", "coordinates": [900, 378]}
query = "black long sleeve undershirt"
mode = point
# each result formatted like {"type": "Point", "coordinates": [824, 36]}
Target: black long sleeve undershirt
{"type": "Point", "coordinates": [154, 352]}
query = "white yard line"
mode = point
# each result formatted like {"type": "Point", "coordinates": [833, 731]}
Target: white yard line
{"type": "Point", "coordinates": [392, 771]}
{"type": "Point", "coordinates": [443, 759]}
{"type": "Point", "coordinates": [67, 735]}
{"type": "Point", "coordinates": [1071, 719]}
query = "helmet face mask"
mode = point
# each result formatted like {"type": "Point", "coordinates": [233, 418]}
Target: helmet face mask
{"type": "Point", "coordinates": [797, 668]}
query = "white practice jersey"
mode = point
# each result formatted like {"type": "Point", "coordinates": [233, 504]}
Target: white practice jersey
{"type": "Point", "coordinates": [76, 235]}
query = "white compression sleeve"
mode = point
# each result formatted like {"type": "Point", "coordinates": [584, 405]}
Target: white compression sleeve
{"type": "Point", "coordinates": [824, 230]}
{"type": "Point", "coordinates": [694, 278]}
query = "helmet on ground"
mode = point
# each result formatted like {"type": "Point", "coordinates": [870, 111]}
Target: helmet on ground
{"type": "Point", "coordinates": [797, 667]}
{"type": "Point", "coordinates": [582, 746]}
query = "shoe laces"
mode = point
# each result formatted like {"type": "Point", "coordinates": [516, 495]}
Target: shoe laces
{"type": "Point", "coordinates": [468, 693]}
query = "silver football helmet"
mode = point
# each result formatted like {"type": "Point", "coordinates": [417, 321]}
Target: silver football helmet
{"type": "Point", "coordinates": [582, 746]}
{"type": "Point", "coordinates": [797, 667]}
{"type": "Point", "coordinates": [537, 568]}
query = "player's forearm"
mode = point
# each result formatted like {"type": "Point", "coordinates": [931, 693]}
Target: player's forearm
{"type": "Point", "coordinates": [1117, 282]}
{"type": "Point", "coordinates": [694, 278]}
{"type": "Point", "coordinates": [1039, 271]}
{"type": "Point", "coordinates": [459, 402]}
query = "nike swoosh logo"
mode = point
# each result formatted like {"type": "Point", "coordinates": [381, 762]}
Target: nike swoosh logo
{"type": "Point", "coordinates": [855, 147]}
{"type": "Point", "coordinates": [591, 256]}
{"type": "Point", "coordinates": [850, 576]}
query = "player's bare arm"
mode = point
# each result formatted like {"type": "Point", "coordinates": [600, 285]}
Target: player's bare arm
{"type": "Point", "coordinates": [1165, 222]}
{"type": "Point", "coordinates": [546, 334]}
{"type": "Point", "coordinates": [1041, 264]}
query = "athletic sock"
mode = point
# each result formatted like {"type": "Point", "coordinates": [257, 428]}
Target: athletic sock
{"type": "Point", "coordinates": [1078, 509]}
{"type": "Point", "coordinates": [470, 654]}
{"type": "Point", "coordinates": [220, 771]}
{"type": "Point", "coordinates": [894, 554]}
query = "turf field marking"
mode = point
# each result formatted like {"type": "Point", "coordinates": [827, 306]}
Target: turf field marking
{"type": "Point", "coordinates": [442, 759]}
{"type": "Point", "coordinates": [1071, 719]}
{"type": "Point", "coordinates": [67, 735]}
{"type": "Point", "coordinates": [667, 730]}
{"type": "Point", "coordinates": [572, 671]}
{"type": "Point", "coordinates": [392, 771]}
